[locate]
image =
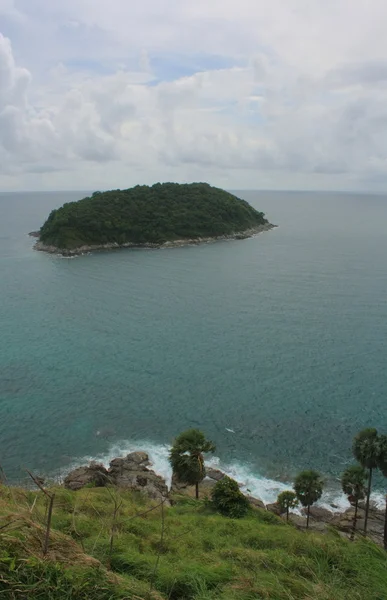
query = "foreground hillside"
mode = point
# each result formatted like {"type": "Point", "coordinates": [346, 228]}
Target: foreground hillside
{"type": "Point", "coordinates": [149, 215]}
{"type": "Point", "coordinates": [186, 551]}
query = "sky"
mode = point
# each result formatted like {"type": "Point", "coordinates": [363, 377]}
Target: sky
{"type": "Point", "coordinates": [243, 94]}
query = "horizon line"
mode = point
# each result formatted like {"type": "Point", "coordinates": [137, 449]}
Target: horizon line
{"type": "Point", "coordinates": [273, 190]}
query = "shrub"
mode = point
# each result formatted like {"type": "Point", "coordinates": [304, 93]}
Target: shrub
{"type": "Point", "coordinates": [228, 499]}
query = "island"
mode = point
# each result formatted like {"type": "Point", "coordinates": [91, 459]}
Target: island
{"type": "Point", "coordinates": [161, 215]}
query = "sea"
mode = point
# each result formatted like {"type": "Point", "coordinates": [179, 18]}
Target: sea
{"type": "Point", "coordinates": [274, 346]}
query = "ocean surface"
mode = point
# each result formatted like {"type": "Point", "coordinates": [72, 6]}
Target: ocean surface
{"type": "Point", "coordinates": [276, 346]}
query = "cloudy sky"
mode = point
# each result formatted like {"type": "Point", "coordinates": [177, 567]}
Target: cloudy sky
{"type": "Point", "coordinates": [282, 94]}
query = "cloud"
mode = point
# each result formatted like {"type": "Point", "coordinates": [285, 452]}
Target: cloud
{"type": "Point", "coordinates": [243, 94]}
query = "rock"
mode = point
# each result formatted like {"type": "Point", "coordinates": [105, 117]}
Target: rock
{"type": "Point", "coordinates": [215, 474]}
{"type": "Point", "coordinates": [141, 459]}
{"type": "Point", "coordinates": [178, 486]}
{"type": "Point", "coordinates": [94, 474]}
{"type": "Point", "coordinates": [274, 508]}
{"type": "Point", "coordinates": [317, 513]}
{"type": "Point", "coordinates": [373, 505]}
{"type": "Point", "coordinates": [300, 523]}
{"type": "Point", "coordinates": [256, 502]}
{"type": "Point", "coordinates": [183, 489]}
{"type": "Point", "coordinates": [129, 472]}
{"type": "Point", "coordinates": [132, 472]}
{"type": "Point", "coordinates": [375, 529]}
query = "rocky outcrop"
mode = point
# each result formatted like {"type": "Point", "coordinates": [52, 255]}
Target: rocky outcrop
{"type": "Point", "coordinates": [314, 525]}
{"type": "Point", "coordinates": [256, 502]}
{"type": "Point", "coordinates": [130, 472]}
{"type": "Point", "coordinates": [94, 475]}
{"type": "Point", "coordinates": [317, 513]}
{"type": "Point", "coordinates": [274, 508]}
{"type": "Point", "coordinates": [215, 474]}
{"type": "Point", "coordinates": [183, 489]}
{"type": "Point", "coordinates": [375, 528]}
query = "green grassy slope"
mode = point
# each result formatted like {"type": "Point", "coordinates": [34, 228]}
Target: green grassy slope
{"type": "Point", "coordinates": [203, 556]}
{"type": "Point", "coordinates": [163, 212]}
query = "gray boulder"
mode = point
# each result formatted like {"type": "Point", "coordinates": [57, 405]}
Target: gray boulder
{"type": "Point", "coordinates": [375, 529]}
{"type": "Point", "coordinates": [256, 502]}
{"type": "Point", "coordinates": [317, 513]}
{"type": "Point", "coordinates": [132, 472]}
{"type": "Point", "coordinates": [94, 474]}
{"type": "Point", "coordinates": [183, 489]}
{"type": "Point", "coordinates": [300, 523]}
{"type": "Point", "coordinates": [274, 508]}
{"type": "Point", "coordinates": [215, 474]}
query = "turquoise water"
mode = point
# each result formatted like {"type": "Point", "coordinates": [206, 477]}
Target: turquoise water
{"type": "Point", "coordinates": [281, 338]}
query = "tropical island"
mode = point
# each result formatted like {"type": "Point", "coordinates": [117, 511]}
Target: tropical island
{"type": "Point", "coordinates": [165, 214]}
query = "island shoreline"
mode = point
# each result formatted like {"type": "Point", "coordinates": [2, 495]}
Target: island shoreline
{"type": "Point", "coordinates": [86, 249]}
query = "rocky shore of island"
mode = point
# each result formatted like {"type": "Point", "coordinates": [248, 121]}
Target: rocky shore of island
{"type": "Point", "coordinates": [134, 472]}
{"type": "Point", "coordinates": [86, 249]}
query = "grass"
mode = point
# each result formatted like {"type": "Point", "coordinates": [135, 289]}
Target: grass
{"type": "Point", "coordinates": [203, 556]}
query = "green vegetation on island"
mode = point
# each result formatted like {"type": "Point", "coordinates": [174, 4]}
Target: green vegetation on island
{"type": "Point", "coordinates": [145, 215]}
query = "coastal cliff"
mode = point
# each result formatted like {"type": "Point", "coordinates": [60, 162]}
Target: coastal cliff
{"type": "Point", "coordinates": [113, 541]}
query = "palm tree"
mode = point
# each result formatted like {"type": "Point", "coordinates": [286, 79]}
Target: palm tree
{"type": "Point", "coordinates": [353, 483]}
{"type": "Point", "coordinates": [365, 450]}
{"type": "Point", "coordinates": [382, 464]}
{"type": "Point", "coordinates": [287, 500]}
{"type": "Point", "coordinates": [187, 457]}
{"type": "Point", "coordinates": [308, 486]}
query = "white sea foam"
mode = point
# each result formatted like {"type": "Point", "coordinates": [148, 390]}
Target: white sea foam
{"type": "Point", "coordinates": [158, 455]}
{"type": "Point", "coordinates": [251, 482]}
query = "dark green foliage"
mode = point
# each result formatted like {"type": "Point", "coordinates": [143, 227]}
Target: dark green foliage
{"type": "Point", "coordinates": [308, 487]}
{"type": "Point", "coordinates": [287, 500]}
{"type": "Point", "coordinates": [228, 499]}
{"type": "Point", "coordinates": [365, 449]}
{"type": "Point", "coordinates": [187, 457]}
{"type": "Point", "coordinates": [353, 485]}
{"type": "Point", "coordinates": [140, 215]}
{"type": "Point", "coordinates": [382, 454]}
{"type": "Point", "coordinates": [353, 482]}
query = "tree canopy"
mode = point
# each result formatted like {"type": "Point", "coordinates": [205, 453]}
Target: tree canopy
{"type": "Point", "coordinates": [308, 486]}
{"type": "Point", "coordinates": [149, 215]}
{"type": "Point", "coordinates": [287, 500]}
{"type": "Point", "coordinates": [187, 457]}
{"type": "Point", "coordinates": [353, 482]}
{"type": "Point", "coordinates": [365, 448]}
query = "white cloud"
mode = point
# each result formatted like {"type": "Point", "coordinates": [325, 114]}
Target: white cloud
{"type": "Point", "coordinates": [242, 94]}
